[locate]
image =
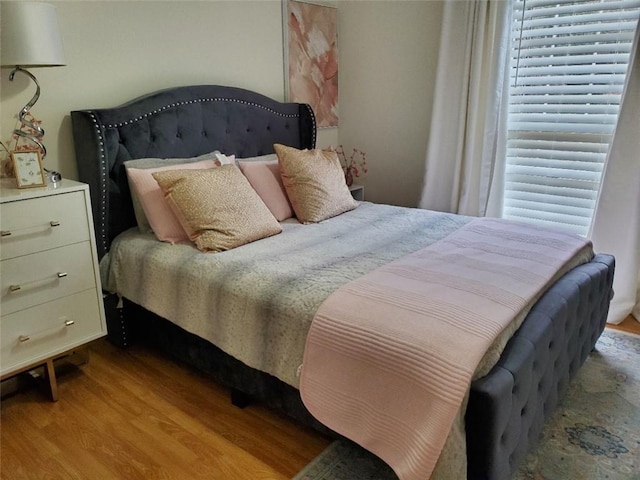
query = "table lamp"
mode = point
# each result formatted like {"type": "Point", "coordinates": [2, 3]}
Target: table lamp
{"type": "Point", "coordinates": [29, 38]}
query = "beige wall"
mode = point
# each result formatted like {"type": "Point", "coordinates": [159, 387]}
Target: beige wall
{"type": "Point", "coordinates": [119, 50]}
{"type": "Point", "coordinates": [388, 58]}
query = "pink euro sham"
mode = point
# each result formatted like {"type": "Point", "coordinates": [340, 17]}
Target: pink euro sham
{"type": "Point", "coordinates": [162, 220]}
{"type": "Point", "coordinates": [264, 177]}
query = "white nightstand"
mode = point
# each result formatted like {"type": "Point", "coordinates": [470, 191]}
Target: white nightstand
{"type": "Point", "coordinates": [357, 192]}
{"type": "Point", "coordinates": [51, 298]}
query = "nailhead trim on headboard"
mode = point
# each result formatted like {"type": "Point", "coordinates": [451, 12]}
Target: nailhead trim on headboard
{"type": "Point", "coordinates": [289, 122]}
{"type": "Point", "coordinates": [200, 100]}
{"type": "Point", "coordinates": [313, 115]}
{"type": "Point", "coordinates": [104, 182]}
{"type": "Point", "coordinates": [103, 159]}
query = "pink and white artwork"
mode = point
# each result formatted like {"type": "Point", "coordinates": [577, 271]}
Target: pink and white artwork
{"type": "Point", "coordinates": [313, 59]}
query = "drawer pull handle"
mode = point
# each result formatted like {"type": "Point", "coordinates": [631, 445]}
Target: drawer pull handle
{"type": "Point", "coordinates": [55, 330]}
{"type": "Point", "coordinates": [17, 288]}
{"type": "Point", "coordinates": [52, 224]}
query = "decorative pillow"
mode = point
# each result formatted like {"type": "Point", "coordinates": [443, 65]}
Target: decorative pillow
{"type": "Point", "coordinates": [218, 208]}
{"type": "Point", "coordinates": [163, 162]}
{"type": "Point", "coordinates": [261, 158]}
{"type": "Point", "coordinates": [157, 214]}
{"type": "Point", "coordinates": [144, 163]}
{"type": "Point", "coordinates": [222, 159]}
{"type": "Point", "coordinates": [314, 182]}
{"type": "Point", "coordinates": [264, 177]}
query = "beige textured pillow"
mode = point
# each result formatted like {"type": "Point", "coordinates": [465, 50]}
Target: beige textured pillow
{"type": "Point", "coordinates": [218, 208]}
{"type": "Point", "coordinates": [315, 183]}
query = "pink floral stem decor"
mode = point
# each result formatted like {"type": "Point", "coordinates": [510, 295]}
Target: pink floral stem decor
{"type": "Point", "coordinates": [354, 166]}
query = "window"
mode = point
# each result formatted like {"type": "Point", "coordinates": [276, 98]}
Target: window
{"type": "Point", "coordinates": [568, 68]}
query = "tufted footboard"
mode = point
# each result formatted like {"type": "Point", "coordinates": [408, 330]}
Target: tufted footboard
{"type": "Point", "coordinates": [508, 407]}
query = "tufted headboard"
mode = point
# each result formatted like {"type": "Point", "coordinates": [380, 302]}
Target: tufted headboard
{"type": "Point", "coordinates": [179, 122]}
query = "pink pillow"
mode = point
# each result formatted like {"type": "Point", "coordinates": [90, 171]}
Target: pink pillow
{"type": "Point", "coordinates": [264, 177]}
{"type": "Point", "coordinates": [162, 220]}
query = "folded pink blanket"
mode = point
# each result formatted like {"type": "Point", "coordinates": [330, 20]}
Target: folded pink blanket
{"type": "Point", "coordinates": [390, 356]}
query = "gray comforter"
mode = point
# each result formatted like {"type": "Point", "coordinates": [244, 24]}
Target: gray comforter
{"type": "Point", "coordinates": [256, 302]}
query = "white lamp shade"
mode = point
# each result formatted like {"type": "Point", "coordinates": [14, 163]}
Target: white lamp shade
{"type": "Point", "coordinates": [29, 35]}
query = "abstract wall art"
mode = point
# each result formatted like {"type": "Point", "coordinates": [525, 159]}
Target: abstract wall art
{"type": "Point", "coordinates": [312, 59]}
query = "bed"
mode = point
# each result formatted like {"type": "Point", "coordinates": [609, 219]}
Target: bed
{"type": "Point", "coordinates": [506, 408]}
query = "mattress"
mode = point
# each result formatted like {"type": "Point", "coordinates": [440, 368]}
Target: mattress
{"type": "Point", "coordinates": [256, 302]}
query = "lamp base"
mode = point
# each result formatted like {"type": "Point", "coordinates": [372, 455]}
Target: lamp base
{"type": "Point", "coordinates": [34, 131]}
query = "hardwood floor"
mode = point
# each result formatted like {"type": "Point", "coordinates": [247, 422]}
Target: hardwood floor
{"type": "Point", "coordinates": [629, 325]}
{"type": "Point", "coordinates": [135, 414]}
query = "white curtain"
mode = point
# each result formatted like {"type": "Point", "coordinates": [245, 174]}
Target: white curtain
{"type": "Point", "coordinates": [469, 112]}
{"type": "Point", "coordinates": [615, 227]}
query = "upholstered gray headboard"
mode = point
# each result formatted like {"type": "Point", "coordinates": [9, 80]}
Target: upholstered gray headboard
{"type": "Point", "coordinates": [179, 122]}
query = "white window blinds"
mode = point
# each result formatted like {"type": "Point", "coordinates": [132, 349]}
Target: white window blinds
{"type": "Point", "coordinates": [568, 69]}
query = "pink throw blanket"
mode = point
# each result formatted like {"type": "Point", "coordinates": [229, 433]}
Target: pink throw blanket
{"type": "Point", "coordinates": [390, 356]}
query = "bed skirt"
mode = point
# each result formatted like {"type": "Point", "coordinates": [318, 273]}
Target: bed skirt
{"type": "Point", "coordinates": [507, 408]}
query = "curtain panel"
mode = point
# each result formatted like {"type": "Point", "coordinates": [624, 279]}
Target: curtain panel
{"type": "Point", "coordinates": [468, 125]}
{"type": "Point", "coordinates": [615, 228]}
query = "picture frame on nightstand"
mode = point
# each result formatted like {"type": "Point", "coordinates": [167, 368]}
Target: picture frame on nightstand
{"type": "Point", "coordinates": [28, 169]}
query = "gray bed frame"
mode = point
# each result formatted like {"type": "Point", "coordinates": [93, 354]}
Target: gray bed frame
{"type": "Point", "coordinates": [507, 408]}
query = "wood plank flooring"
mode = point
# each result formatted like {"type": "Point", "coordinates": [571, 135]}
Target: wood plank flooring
{"type": "Point", "coordinates": [136, 414]}
{"type": "Point", "coordinates": [629, 325]}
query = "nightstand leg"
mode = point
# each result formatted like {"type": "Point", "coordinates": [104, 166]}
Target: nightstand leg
{"type": "Point", "coordinates": [53, 384]}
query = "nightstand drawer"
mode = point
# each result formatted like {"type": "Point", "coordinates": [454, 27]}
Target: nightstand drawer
{"type": "Point", "coordinates": [43, 223]}
{"type": "Point", "coordinates": [40, 332]}
{"type": "Point", "coordinates": [41, 277]}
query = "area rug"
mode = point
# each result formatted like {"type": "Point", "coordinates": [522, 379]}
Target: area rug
{"type": "Point", "coordinates": [593, 435]}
